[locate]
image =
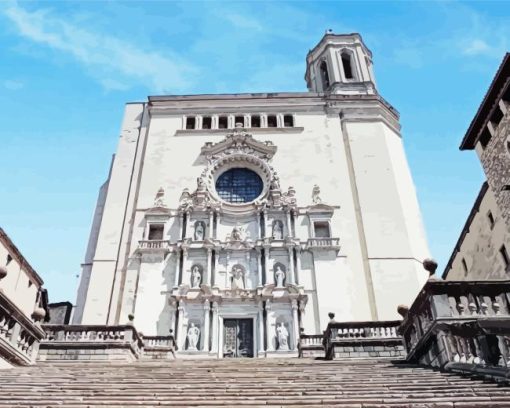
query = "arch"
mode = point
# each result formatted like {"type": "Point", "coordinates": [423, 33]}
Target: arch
{"type": "Point", "coordinates": [347, 64]}
{"type": "Point", "coordinates": [323, 69]}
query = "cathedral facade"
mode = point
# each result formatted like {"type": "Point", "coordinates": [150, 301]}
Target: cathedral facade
{"type": "Point", "coordinates": [237, 220]}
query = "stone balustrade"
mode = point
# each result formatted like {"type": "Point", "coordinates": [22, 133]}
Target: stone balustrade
{"type": "Point", "coordinates": [19, 335]}
{"type": "Point", "coordinates": [157, 347]}
{"type": "Point", "coordinates": [323, 243]}
{"type": "Point", "coordinates": [363, 339]}
{"type": "Point", "coordinates": [311, 345]}
{"type": "Point", "coordinates": [452, 324]}
{"type": "Point", "coordinates": [153, 245]}
{"type": "Point", "coordinates": [90, 342]}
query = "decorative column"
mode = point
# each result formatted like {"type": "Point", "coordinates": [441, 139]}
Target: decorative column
{"type": "Point", "coordinates": [215, 334]}
{"type": "Point", "coordinates": [261, 328]}
{"type": "Point", "coordinates": [172, 318]}
{"type": "Point", "coordinates": [216, 263]}
{"type": "Point", "coordinates": [264, 220]}
{"type": "Point", "coordinates": [269, 333]}
{"type": "Point", "coordinates": [295, 324]}
{"type": "Point", "coordinates": [269, 274]}
{"type": "Point", "coordinates": [289, 224]}
{"type": "Point", "coordinates": [292, 268]}
{"type": "Point", "coordinates": [181, 224]}
{"type": "Point", "coordinates": [184, 259]}
{"type": "Point", "coordinates": [180, 332]}
{"type": "Point", "coordinates": [209, 267]}
{"type": "Point", "coordinates": [298, 266]}
{"type": "Point", "coordinates": [259, 266]}
{"type": "Point", "coordinates": [207, 308]}
{"type": "Point", "coordinates": [211, 226]}
{"type": "Point", "coordinates": [177, 268]}
{"type": "Point", "coordinates": [188, 224]}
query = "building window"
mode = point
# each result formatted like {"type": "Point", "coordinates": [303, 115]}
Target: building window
{"type": "Point", "coordinates": [504, 256]}
{"type": "Point", "coordinates": [496, 117]}
{"type": "Point", "coordinates": [222, 122]}
{"type": "Point", "coordinates": [190, 122]}
{"type": "Point", "coordinates": [288, 121]}
{"type": "Point", "coordinates": [485, 137]}
{"type": "Point", "coordinates": [255, 121]}
{"type": "Point", "coordinates": [271, 121]}
{"type": "Point", "coordinates": [464, 266]}
{"type": "Point", "coordinates": [347, 65]}
{"type": "Point", "coordinates": [239, 119]}
{"type": "Point", "coordinates": [239, 185]}
{"type": "Point", "coordinates": [321, 229]}
{"type": "Point", "coordinates": [490, 217]}
{"type": "Point", "coordinates": [206, 122]}
{"type": "Point", "coordinates": [156, 232]}
{"type": "Point", "coordinates": [323, 69]}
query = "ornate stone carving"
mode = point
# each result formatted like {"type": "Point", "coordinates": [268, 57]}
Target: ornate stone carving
{"type": "Point", "coordinates": [282, 335]}
{"type": "Point", "coordinates": [199, 233]}
{"type": "Point", "coordinates": [316, 191]}
{"type": "Point", "coordinates": [237, 234]}
{"type": "Point", "coordinates": [238, 277]}
{"type": "Point", "coordinates": [159, 199]}
{"type": "Point", "coordinates": [289, 198]}
{"type": "Point", "coordinates": [196, 276]}
{"type": "Point", "coordinates": [193, 337]}
{"type": "Point", "coordinates": [186, 200]}
{"type": "Point", "coordinates": [277, 229]}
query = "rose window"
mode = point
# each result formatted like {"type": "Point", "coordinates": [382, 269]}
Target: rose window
{"type": "Point", "coordinates": [239, 185]}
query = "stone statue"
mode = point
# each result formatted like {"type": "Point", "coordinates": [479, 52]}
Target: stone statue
{"type": "Point", "coordinates": [316, 194]}
{"type": "Point", "coordinates": [200, 184]}
{"type": "Point", "coordinates": [280, 276]}
{"type": "Point", "coordinates": [199, 231]}
{"type": "Point", "coordinates": [193, 336]}
{"type": "Point", "coordinates": [196, 277]}
{"type": "Point", "coordinates": [237, 277]}
{"type": "Point", "coordinates": [159, 199]}
{"type": "Point", "coordinates": [186, 200]}
{"type": "Point", "coordinates": [278, 229]}
{"type": "Point", "coordinates": [283, 337]}
{"type": "Point", "coordinates": [236, 234]}
{"type": "Point", "coordinates": [275, 183]}
{"type": "Point", "coordinates": [289, 198]}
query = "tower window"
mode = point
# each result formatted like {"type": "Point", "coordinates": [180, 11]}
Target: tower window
{"type": "Point", "coordinates": [321, 229]}
{"type": "Point", "coordinates": [490, 217]}
{"type": "Point", "coordinates": [222, 122]}
{"type": "Point", "coordinates": [271, 121]}
{"type": "Point", "coordinates": [190, 122]}
{"type": "Point", "coordinates": [485, 137]}
{"type": "Point", "coordinates": [255, 121]}
{"type": "Point", "coordinates": [347, 65]}
{"type": "Point", "coordinates": [504, 256]}
{"type": "Point", "coordinates": [206, 122]}
{"type": "Point", "coordinates": [323, 68]}
{"type": "Point", "coordinates": [156, 232]}
{"type": "Point", "coordinates": [239, 185]}
{"type": "Point", "coordinates": [239, 119]}
{"type": "Point", "coordinates": [288, 121]}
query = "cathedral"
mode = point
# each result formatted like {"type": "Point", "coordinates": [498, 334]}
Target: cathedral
{"type": "Point", "coordinates": [237, 221]}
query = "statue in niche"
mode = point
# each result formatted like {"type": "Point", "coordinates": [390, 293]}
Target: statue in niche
{"type": "Point", "coordinates": [196, 276]}
{"type": "Point", "coordinates": [159, 199]}
{"type": "Point", "coordinates": [236, 234]}
{"type": "Point", "coordinates": [237, 277]}
{"type": "Point", "coordinates": [279, 274]}
{"type": "Point", "coordinates": [193, 336]}
{"type": "Point", "coordinates": [199, 231]}
{"type": "Point", "coordinates": [277, 229]}
{"type": "Point", "coordinates": [316, 199]}
{"type": "Point", "coordinates": [283, 337]}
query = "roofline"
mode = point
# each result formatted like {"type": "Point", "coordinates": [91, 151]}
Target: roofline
{"type": "Point", "coordinates": [339, 35]}
{"type": "Point", "coordinates": [488, 103]}
{"type": "Point", "coordinates": [474, 210]}
{"type": "Point", "coordinates": [20, 258]}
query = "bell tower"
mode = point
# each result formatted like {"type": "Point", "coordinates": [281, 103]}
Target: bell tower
{"type": "Point", "coordinates": [340, 64]}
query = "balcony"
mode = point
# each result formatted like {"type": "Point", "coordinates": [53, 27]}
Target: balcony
{"type": "Point", "coordinates": [323, 244]}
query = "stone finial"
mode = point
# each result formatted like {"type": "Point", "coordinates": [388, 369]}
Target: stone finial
{"type": "Point", "coordinates": [331, 317]}
{"type": "Point", "coordinates": [159, 200]}
{"type": "Point", "coordinates": [430, 265]}
{"type": "Point", "coordinates": [316, 191]}
{"type": "Point", "coordinates": [38, 314]}
{"type": "Point", "coordinates": [403, 310]}
{"type": "Point", "coordinates": [131, 318]}
{"type": "Point", "coordinates": [3, 272]}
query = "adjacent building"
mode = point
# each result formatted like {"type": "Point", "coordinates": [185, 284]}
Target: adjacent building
{"type": "Point", "coordinates": [234, 220]}
{"type": "Point", "coordinates": [483, 249]}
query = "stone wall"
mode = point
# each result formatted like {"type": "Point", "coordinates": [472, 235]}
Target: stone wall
{"type": "Point", "coordinates": [378, 350]}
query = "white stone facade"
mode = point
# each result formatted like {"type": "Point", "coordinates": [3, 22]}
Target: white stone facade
{"type": "Point", "coordinates": [335, 227]}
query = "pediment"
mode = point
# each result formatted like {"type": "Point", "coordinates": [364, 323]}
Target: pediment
{"type": "Point", "coordinates": [239, 142]}
{"type": "Point", "coordinates": [320, 209]}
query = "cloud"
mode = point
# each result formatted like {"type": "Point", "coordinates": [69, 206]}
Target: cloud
{"type": "Point", "coordinates": [105, 56]}
{"type": "Point", "coordinates": [242, 21]}
{"type": "Point", "coordinates": [13, 85]}
{"type": "Point", "coordinates": [476, 47]}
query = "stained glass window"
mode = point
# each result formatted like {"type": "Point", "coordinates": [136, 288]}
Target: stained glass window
{"type": "Point", "coordinates": [239, 185]}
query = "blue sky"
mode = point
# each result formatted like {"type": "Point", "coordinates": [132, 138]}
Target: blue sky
{"type": "Point", "coordinates": [67, 68]}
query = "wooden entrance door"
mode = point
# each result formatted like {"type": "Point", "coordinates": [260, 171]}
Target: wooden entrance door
{"type": "Point", "coordinates": [237, 338]}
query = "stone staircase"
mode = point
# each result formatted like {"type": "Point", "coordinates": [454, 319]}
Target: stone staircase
{"type": "Point", "coordinates": [244, 382]}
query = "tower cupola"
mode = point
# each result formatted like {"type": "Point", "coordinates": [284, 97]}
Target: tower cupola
{"type": "Point", "coordinates": [340, 64]}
